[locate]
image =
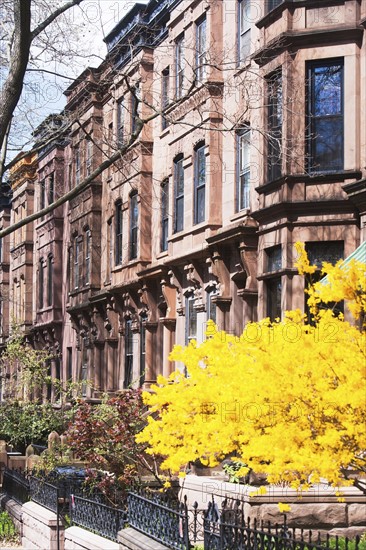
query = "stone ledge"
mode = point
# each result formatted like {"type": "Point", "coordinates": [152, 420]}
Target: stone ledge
{"type": "Point", "coordinates": [78, 538]}
{"type": "Point", "coordinates": [130, 539]}
{"type": "Point", "coordinates": [40, 514]}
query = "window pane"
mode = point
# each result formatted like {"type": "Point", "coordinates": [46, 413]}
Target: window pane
{"type": "Point", "coordinates": [274, 291]}
{"type": "Point", "coordinates": [320, 252]}
{"type": "Point", "coordinates": [179, 214]}
{"type": "Point", "coordinates": [274, 258]}
{"type": "Point", "coordinates": [274, 139]}
{"type": "Point", "coordinates": [244, 170]}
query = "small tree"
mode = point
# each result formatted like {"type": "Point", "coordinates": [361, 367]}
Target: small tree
{"type": "Point", "coordinates": [287, 397]}
{"type": "Point", "coordinates": [104, 437]}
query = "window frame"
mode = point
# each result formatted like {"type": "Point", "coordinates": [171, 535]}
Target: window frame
{"type": "Point", "coordinates": [87, 276]}
{"type": "Point", "coordinates": [128, 366]}
{"type": "Point", "coordinates": [134, 221]}
{"type": "Point", "coordinates": [179, 66]}
{"type": "Point", "coordinates": [243, 169]}
{"type": "Point", "coordinates": [199, 187]}
{"type": "Point", "coordinates": [201, 49]}
{"type": "Point", "coordinates": [164, 215]}
{"type": "Point", "coordinates": [312, 120]}
{"type": "Point", "coordinates": [41, 284]}
{"type": "Point", "coordinates": [88, 157]}
{"type": "Point", "coordinates": [118, 234]}
{"type": "Point", "coordinates": [50, 294]}
{"type": "Point", "coordinates": [178, 193]}
{"type": "Point", "coordinates": [165, 81]}
{"type": "Point", "coordinates": [51, 188]}
{"type": "Point", "coordinates": [76, 262]}
{"type": "Point", "coordinates": [274, 124]}
{"type": "Point", "coordinates": [244, 30]}
{"type": "Point", "coordinates": [77, 165]}
{"type": "Point", "coordinates": [120, 121]}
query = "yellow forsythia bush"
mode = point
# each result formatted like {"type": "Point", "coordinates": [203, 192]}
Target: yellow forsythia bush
{"type": "Point", "coordinates": [288, 398]}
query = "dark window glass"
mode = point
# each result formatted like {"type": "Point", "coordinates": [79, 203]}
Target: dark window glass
{"type": "Point", "coordinates": [40, 284]}
{"type": "Point", "coordinates": [69, 364]}
{"type": "Point", "coordinates": [274, 292]}
{"type": "Point", "coordinates": [128, 354]}
{"type": "Point", "coordinates": [199, 184]}
{"type": "Point", "coordinates": [244, 170]}
{"type": "Point", "coordinates": [164, 215]}
{"type": "Point", "coordinates": [51, 189]}
{"type": "Point", "coordinates": [244, 23]}
{"type": "Point", "coordinates": [89, 157]}
{"type": "Point", "coordinates": [77, 166]}
{"type": "Point", "coordinates": [274, 258]}
{"type": "Point", "coordinates": [272, 4]}
{"type": "Point", "coordinates": [211, 305]}
{"type": "Point", "coordinates": [325, 116]}
{"type": "Point", "coordinates": [274, 138]}
{"type": "Point", "coordinates": [178, 194]}
{"type": "Point", "coordinates": [164, 96]}
{"type": "Point", "coordinates": [201, 50]}
{"type": "Point", "coordinates": [49, 280]}
{"type": "Point", "coordinates": [118, 226]}
{"type": "Point", "coordinates": [142, 348]}
{"type": "Point", "coordinates": [76, 263]}
{"type": "Point", "coordinates": [42, 195]}
{"type": "Point", "coordinates": [134, 108]}
{"type": "Point", "coordinates": [84, 368]}
{"type": "Point", "coordinates": [87, 255]}
{"type": "Point", "coordinates": [191, 319]}
{"type": "Point", "coordinates": [134, 213]}
{"type": "Point", "coordinates": [120, 122]}
{"type": "Point", "coordinates": [179, 67]}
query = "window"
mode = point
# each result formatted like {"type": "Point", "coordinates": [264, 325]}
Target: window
{"type": "Point", "coordinates": [272, 4]}
{"type": "Point", "coordinates": [211, 304]}
{"type": "Point", "coordinates": [164, 96]}
{"type": "Point", "coordinates": [191, 319]}
{"type": "Point", "coordinates": [69, 364]}
{"type": "Point", "coordinates": [40, 284]}
{"type": "Point", "coordinates": [179, 67]}
{"type": "Point", "coordinates": [89, 157]}
{"type": "Point", "coordinates": [134, 213]}
{"type": "Point", "coordinates": [243, 30]}
{"type": "Point", "coordinates": [164, 215]}
{"type": "Point", "coordinates": [77, 166]}
{"type": "Point", "coordinates": [110, 250]}
{"type": "Point", "coordinates": [87, 256]}
{"type": "Point", "coordinates": [274, 284]}
{"type": "Point", "coordinates": [76, 263]}
{"type": "Point", "coordinates": [319, 252]}
{"type": "Point", "coordinates": [274, 258]}
{"type": "Point", "coordinates": [244, 169]}
{"type": "Point", "coordinates": [325, 125]}
{"type": "Point", "coordinates": [42, 194]}
{"type": "Point", "coordinates": [135, 102]}
{"type": "Point", "coordinates": [199, 184]}
{"type": "Point", "coordinates": [84, 368]}
{"type": "Point", "coordinates": [201, 50]}
{"type": "Point", "coordinates": [128, 354]}
{"type": "Point", "coordinates": [274, 293]}
{"type": "Point", "coordinates": [49, 280]}
{"type": "Point", "coordinates": [274, 149]}
{"type": "Point", "coordinates": [120, 122]}
{"type": "Point", "coordinates": [142, 347]}
{"type": "Point", "coordinates": [178, 194]}
{"type": "Point", "coordinates": [118, 236]}
{"type": "Point", "coordinates": [69, 268]}
{"type": "Point", "coordinates": [51, 189]}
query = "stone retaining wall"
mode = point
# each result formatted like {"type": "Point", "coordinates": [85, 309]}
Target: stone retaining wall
{"type": "Point", "coordinates": [130, 539]}
{"type": "Point", "coordinates": [14, 510]}
{"type": "Point", "coordinates": [40, 528]}
{"type": "Point", "coordinates": [77, 538]}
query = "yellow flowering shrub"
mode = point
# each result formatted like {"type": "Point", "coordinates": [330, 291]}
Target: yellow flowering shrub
{"type": "Point", "coordinates": [288, 398]}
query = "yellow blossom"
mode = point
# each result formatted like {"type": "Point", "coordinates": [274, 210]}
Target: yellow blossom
{"type": "Point", "coordinates": [284, 507]}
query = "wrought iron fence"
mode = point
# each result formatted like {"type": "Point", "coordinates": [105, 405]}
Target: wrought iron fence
{"type": "Point", "coordinates": [95, 516]}
{"type": "Point", "coordinates": [226, 529]}
{"type": "Point", "coordinates": [162, 519]}
{"type": "Point", "coordinates": [44, 493]}
{"type": "Point", "coordinates": [16, 485]}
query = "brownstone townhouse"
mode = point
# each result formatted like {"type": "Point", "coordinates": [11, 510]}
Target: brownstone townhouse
{"type": "Point", "coordinates": [241, 127]}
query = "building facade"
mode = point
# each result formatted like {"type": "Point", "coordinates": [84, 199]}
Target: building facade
{"type": "Point", "coordinates": [239, 129]}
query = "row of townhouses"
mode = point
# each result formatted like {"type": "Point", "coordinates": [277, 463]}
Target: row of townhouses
{"type": "Point", "coordinates": [237, 128]}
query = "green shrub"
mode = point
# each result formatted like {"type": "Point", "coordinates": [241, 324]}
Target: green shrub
{"type": "Point", "coordinates": [7, 528]}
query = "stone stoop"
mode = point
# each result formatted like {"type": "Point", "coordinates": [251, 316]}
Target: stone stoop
{"type": "Point", "coordinates": [40, 528]}
{"type": "Point", "coordinates": [77, 538]}
{"type": "Point", "coordinates": [130, 539]}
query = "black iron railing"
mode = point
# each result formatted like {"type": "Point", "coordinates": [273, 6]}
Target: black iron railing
{"type": "Point", "coordinates": [15, 485]}
{"type": "Point", "coordinates": [226, 529]}
{"type": "Point", "coordinates": [162, 519]}
{"type": "Point", "coordinates": [95, 516]}
{"type": "Point", "coordinates": [44, 493]}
